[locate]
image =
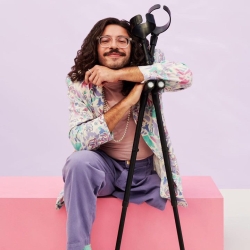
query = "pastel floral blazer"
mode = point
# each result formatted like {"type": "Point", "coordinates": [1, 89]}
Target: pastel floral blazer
{"type": "Point", "coordinates": [88, 128]}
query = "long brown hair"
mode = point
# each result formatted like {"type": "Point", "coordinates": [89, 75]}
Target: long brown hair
{"type": "Point", "coordinates": [87, 56]}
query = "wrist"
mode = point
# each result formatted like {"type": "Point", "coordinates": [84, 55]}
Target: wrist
{"type": "Point", "coordinates": [127, 102]}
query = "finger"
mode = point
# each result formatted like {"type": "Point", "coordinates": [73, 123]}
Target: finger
{"type": "Point", "coordinates": [92, 77]}
{"type": "Point", "coordinates": [99, 82]}
{"type": "Point", "coordinates": [87, 75]}
{"type": "Point", "coordinates": [95, 80]}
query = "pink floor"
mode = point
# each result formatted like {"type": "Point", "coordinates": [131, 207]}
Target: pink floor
{"type": "Point", "coordinates": [28, 219]}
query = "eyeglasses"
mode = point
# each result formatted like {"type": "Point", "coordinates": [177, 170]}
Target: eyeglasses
{"type": "Point", "coordinates": [122, 42]}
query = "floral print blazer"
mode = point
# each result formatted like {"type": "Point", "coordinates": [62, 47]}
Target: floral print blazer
{"type": "Point", "coordinates": [88, 129]}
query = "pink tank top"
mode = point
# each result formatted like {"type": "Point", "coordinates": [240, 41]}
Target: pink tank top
{"type": "Point", "coordinates": [122, 150]}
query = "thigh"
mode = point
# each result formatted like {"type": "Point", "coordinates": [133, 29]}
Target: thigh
{"type": "Point", "coordinates": [108, 168]}
{"type": "Point", "coordinates": [91, 166]}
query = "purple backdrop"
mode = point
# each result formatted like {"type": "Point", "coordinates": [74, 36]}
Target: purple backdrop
{"type": "Point", "coordinates": [208, 123]}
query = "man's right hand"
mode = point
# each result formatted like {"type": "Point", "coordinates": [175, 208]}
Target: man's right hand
{"type": "Point", "coordinates": [98, 75]}
{"type": "Point", "coordinates": [134, 95]}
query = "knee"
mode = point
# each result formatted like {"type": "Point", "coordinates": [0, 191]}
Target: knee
{"type": "Point", "coordinates": [76, 163]}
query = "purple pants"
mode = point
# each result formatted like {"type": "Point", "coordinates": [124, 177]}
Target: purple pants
{"type": "Point", "coordinates": [89, 174]}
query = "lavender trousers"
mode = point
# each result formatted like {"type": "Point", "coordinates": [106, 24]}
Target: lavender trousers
{"type": "Point", "coordinates": [89, 174]}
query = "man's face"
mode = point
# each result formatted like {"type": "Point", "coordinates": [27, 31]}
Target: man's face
{"type": "Point", "coordinates": [114, 57]}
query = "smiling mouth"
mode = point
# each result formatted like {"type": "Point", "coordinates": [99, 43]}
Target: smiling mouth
{"type": "Point", "coordinates": [114, 53]}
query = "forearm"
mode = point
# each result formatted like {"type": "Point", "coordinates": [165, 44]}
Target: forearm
{"type": "Point", "coordinates": [176, 75]}
{"type": "Point", "coordinates": [132, 74]}
{"type": "Point", "coordinates": [115, 114]}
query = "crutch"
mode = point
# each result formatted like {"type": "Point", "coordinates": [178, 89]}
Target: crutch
{"type": "Point", "coordinates": [141, 30]}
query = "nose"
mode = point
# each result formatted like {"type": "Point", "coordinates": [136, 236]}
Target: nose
{"type": "Point", "coordinates": [113, 43]}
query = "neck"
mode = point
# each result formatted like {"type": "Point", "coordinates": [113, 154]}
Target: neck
{"type": "Point", "coordinates": [114, 86]}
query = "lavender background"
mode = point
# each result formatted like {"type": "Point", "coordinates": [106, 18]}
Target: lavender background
{"type": "Point", "coordinates": [208, 123]}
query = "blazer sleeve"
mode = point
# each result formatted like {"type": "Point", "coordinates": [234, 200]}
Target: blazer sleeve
{"type": "Point", "coordinates": [177, 76]}
{"type": "Point", "coordinates": [87, 132]}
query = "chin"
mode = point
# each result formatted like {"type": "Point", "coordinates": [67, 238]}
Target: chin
{"type": "Point", "coordinates": [116, 67]}
{"type": "Point", "coordinates": [115, 64]}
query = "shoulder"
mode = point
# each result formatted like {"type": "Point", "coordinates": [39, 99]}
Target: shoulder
{"type": "Point", "coordinates": [79, 86]}
{"type": "Point", "coordinates": [69, 82]}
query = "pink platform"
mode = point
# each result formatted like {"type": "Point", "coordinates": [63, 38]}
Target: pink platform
{"type": "Point", "coordinates": [28, 219]}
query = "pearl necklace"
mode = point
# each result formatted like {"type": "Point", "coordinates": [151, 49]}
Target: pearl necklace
{"type": "Point", "coordinates": [107, 108]}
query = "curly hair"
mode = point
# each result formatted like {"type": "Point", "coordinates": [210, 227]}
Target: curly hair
{"type": "Point", "coordinates": [87, 56]}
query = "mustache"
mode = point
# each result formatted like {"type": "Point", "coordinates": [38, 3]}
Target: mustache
{"type": "Point", "coordinates": [114, 51]}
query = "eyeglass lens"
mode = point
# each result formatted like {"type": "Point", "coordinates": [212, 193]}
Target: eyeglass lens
{"type": "Point", "coordinates": [106, 41]}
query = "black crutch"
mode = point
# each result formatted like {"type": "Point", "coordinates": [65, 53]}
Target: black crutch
{"type": "Point", "coordinates": [141, 30]}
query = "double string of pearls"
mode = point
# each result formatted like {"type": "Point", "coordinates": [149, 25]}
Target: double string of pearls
{"type": "Point", "coordinates": [107, 108]}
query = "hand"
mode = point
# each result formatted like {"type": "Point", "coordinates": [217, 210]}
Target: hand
{"type": "Point", "coordinates": [135, 94]}
{"type": "Point", "coordinates": [100, 74]}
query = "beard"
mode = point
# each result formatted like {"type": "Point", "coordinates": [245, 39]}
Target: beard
{"type": "Point", "coordinates": [116, 64]}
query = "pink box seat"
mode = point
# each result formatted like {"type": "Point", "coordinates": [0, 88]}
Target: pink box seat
{"type": "Point", "coordinates": [29, 220]}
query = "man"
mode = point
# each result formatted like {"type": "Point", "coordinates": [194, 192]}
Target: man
{"type": "Point", "coordinates": [104, 88]}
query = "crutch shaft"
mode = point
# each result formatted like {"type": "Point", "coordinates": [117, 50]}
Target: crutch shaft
{"type": "Point", "coordinates": [135, 149]}
{"type": "Point", "coordinates": [171, 184]}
